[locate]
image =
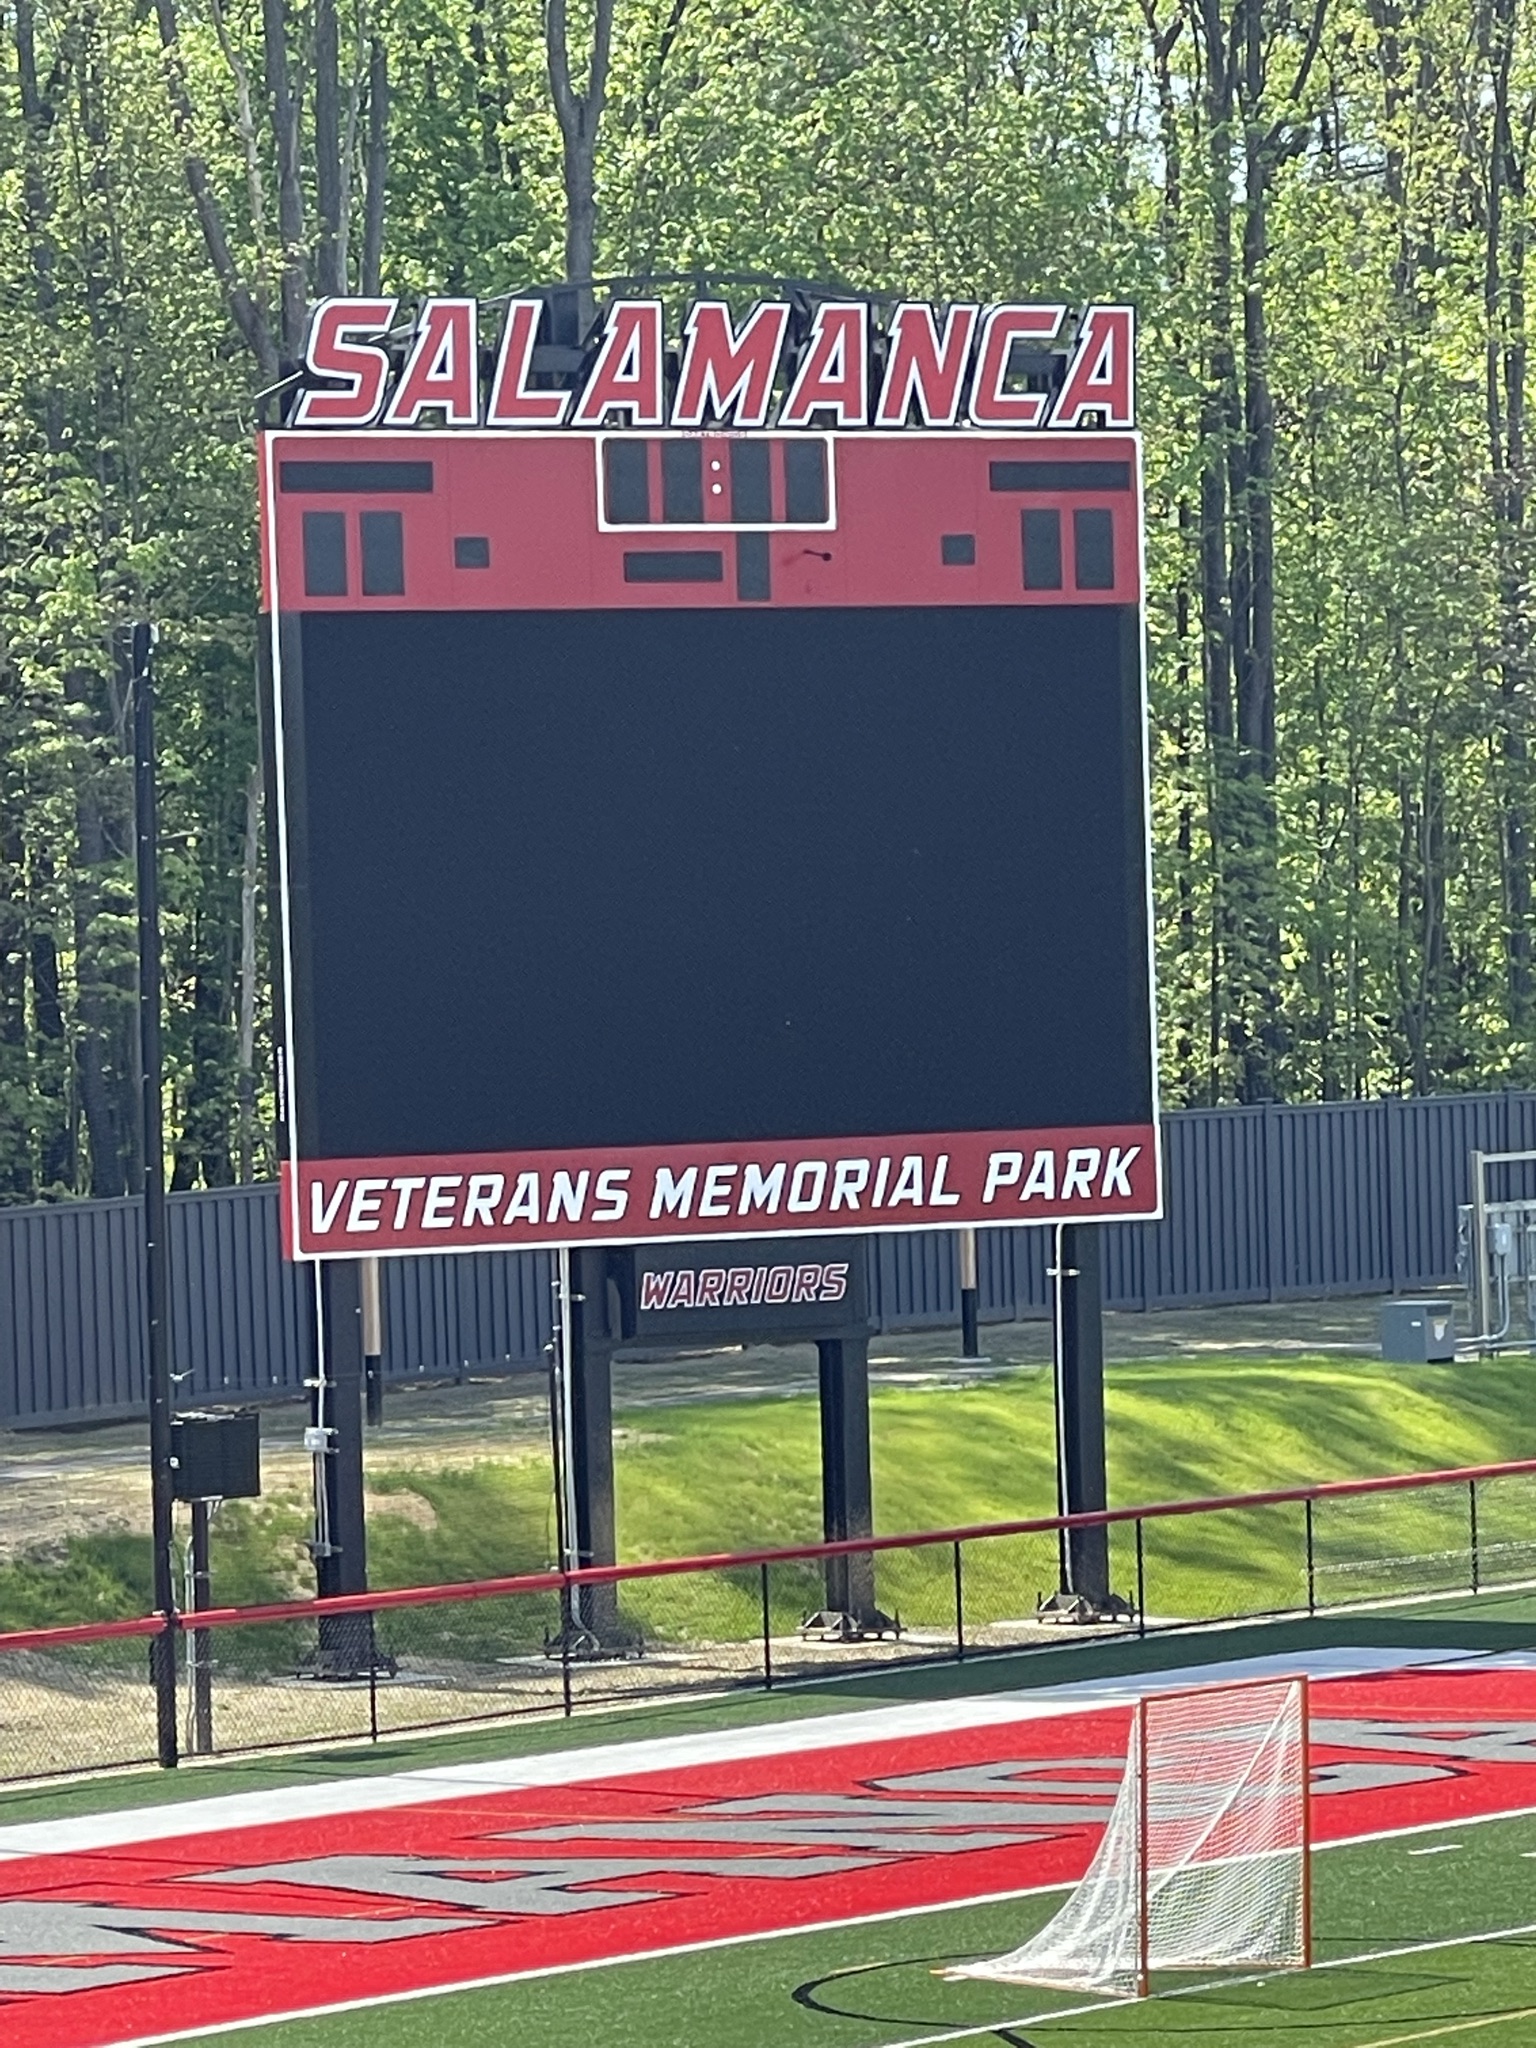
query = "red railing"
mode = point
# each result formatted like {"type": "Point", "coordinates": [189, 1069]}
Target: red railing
{"type": "Point", "coordinates": [715, 1561]}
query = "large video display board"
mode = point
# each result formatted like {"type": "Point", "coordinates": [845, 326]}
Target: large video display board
{"type": "Point", "coordinates": [688, 832]}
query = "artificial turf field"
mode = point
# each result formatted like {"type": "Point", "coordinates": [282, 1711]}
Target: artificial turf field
{"type": "Point", "coordinates": [1421, 1935]}
{"type": "Point", "coordinates": [872, 1986]}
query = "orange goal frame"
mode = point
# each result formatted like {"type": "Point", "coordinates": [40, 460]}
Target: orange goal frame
{"type": "Point", "coordinates": [1143, 1814]}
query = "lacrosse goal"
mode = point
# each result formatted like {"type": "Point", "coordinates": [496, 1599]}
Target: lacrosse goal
{"type": "Point", "coordinates": [1205, 1863]}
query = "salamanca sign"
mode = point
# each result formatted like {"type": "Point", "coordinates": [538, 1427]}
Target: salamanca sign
{"type": "Point", "coordinates": [950, 367]}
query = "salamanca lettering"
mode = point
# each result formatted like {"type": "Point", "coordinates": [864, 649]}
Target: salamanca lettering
{"type": "Point", "coordinates": [777, 365]}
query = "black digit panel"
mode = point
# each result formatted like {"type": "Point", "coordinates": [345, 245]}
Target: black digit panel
{"type": "Point", "coordinates": [754, 575]}
{"type": "Point", "coordinates": [674, 565]}
{"type": "Point", "coordinates": [383, 554]}
{"type": "Point", "coordinates": [751, 493]}
{"type": "Point", "coordinates": [682, 483]}
{"type": "Point", "coordinates": [627, 483]}
{"type": "Point", "coordinates": [1093, 548]}
{"type": "Point", "coordinates": [325, 554]}
{"type": "Point", "coordinates": [805, 482]}
{"type": "Point", "coordinates": [1042, 549]}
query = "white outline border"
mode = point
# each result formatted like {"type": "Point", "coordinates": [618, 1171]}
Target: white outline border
{"type": "Point", "coordinates": [661, 527]}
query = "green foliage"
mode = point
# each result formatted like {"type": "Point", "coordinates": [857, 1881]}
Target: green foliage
{"type": "Point", "coordinates": [1328, 267]}
{"type": "Point", "coordinates": [707, 1477]}
{"type": "Point", "coordinates": [103, 1577]}
{"type": "Point", "coordinates": [487, 1521]}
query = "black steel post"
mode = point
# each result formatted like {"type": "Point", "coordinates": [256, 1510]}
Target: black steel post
{"type": "Point", "coordinates": [1141, 1581]}
{"type": "Point", "coordinates": [1311, 1559]}
{"type": "Point", "coordinates": [152, 1134]}
{"type": "Point", "coordinates": [847, 1491]}
{"type": "Point", "coordinates": [341, 1563]}
{"type": "Point", "coordinates": [970, 1297]}
{"type": "Point", "coordinates": [591, 1447]}
{"type": "Point", "coordinates": [558, 1353]}
{"type": "Point", "coordinates": [202, 1638]}
{"type": "Point", "coordinates": [1081, 1481]}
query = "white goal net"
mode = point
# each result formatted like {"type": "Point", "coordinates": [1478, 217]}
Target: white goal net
{"type": "Point", "coordinates": [1204, 1862]}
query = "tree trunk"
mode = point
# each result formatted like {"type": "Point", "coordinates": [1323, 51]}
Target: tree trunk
{"type": "Point", "coordinates": [1504, 395]}
{"type": "Point", "coordinates": [292, 286]}
{"type": "Point", "coordinates": [579, 115]}
{"type": "Point", "coordinates": [1217, 422]}
{"type": "Point", "coordinates": [329, 282]}
{"type": "Point", "coordinates": [376, 168]}
{"type": "Point", "coordinates": [250, 875]}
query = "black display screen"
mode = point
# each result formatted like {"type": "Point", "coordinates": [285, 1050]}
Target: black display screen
{"type": "Point", "coordinates": [634, 877]}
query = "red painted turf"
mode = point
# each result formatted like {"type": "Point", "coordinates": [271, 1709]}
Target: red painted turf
{"type": "Point", "coordinates": [112, 1945]}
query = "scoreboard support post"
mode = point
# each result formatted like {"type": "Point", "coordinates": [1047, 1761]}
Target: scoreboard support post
{"type": "Point", "coordinates": [341, 1548]}
{"type": "Point", "coordinates": [594, 1539]}
{"type": "Point", "coordinates": [970, 1295]}
{"type": "Point", "coordinates": [666, 1296]}
{"type": "Point", "coordinates": [1083, 1591]}
{"type": "Point", "coordinates": [847, 1505]}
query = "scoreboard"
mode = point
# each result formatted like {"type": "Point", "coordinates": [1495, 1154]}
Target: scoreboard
{"type": "Point", "coordinates": [707, 833]}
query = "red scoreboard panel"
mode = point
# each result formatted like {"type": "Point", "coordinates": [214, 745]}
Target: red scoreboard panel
{"type": "Point", "coordinates": [691, 834]}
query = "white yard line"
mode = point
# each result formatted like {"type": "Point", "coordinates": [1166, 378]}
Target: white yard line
{"type": "Point", "coordinates": [445, 1782]}
{"type": "Point", "coordinates": [1073, 2012]}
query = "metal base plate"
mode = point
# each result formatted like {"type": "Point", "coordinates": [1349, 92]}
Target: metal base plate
{"type": "Point", "coordinates": [832, 1625]}
{"type": "Point", "coordinates": [1077, 1610]}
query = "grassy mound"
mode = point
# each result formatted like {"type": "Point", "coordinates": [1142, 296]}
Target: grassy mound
{"type": "Point", "coordinates": [731, 1475]}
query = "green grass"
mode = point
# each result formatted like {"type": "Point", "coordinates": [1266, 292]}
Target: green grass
{"type": "Point", "coordinates": [872, 1986]}
{"type": "Point", "coordinates": [742, 1474]}
{"type": "Point", "coordinates": [727, 1475]}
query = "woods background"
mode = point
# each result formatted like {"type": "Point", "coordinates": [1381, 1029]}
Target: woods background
{"type": "Point", "coordinates": [1320, 211]}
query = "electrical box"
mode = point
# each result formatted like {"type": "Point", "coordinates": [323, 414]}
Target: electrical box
{"type": "Point", "coordinates": [216, 1455]}
{"type": "Point", "coordinates": [1418, 1332]}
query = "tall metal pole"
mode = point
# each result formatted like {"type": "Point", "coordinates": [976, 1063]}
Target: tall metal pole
{"type": "Point", "coordinates": [1482, 1293]}
{"type": "Point", "coordinates": [202, 1641]}
{"type": "Point", "coordinates": [565, 1362]}
{"type": "Point", "coordinates": [561, 1431]}
{"type": "Point", "coordinates": [156, 1291]}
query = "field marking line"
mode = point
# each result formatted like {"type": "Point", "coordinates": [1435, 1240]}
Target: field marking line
{"type": "Point", "coordinates": [688, 1948]}
{"type": "Point", "coordinates": [1494, 2019]}
{"type": "Point", "coordinates": [1110, 2003]}
{"type": "Point", "coordinates": [434, 1784]}
{"type": "Point", "coordinates": [645, 1955]}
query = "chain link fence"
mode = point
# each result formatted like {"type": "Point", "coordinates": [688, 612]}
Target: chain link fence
{"type": "Point", "coordinates": [377, 1665]}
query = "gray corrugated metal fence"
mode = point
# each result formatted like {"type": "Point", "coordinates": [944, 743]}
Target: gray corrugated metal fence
{"type": "Point", "coordinates": [1262, 1204]}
